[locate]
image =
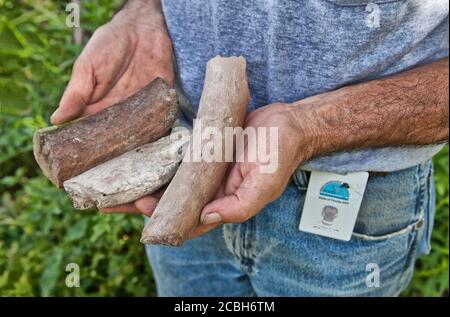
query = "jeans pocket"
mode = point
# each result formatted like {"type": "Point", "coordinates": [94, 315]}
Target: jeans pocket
{"type": "Point", "coordinates": [415, 226]}
{"type": "Point", "coordinates": [396, 217]}
{"type": "Point", "coordinates": [394, 203]}
{"type": "Point", "coordinates": [404, 242]}
{"type": "Point", "coordinates": [396, 253]}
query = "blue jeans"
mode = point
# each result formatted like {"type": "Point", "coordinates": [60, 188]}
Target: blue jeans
{"type": "Point", "coordinates": [269, 256]}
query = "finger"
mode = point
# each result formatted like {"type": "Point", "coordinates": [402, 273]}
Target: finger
{"type": "Point", "coordinates": [234, 180]}
{"type": "Point", "coordinates": [251, 196]}
{"type": "Point", "coordinates": [104, 97]}
{"type": "Point", "coordinates": [98, 106]}
{"type": "Point", "coordinates": [77, 94]}
{"type": "Point", "coordinates": [124, 208]}
{"type": "Point", "coordinates": [202, 229]}
{"type": "Point", "coordinates": [146, 205]}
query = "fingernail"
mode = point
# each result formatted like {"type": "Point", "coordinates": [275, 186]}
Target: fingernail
{"type": "Point", "coordinates": [54, 113]}
{"type": "Point", "coordinates": [211, 218]}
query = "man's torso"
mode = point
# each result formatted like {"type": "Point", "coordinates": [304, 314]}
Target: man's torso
{"type": "Point", "coordinates": [296, 49]}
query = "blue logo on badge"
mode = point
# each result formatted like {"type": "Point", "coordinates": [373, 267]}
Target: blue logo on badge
{"type": "Point", "coordinates": [336, 189]}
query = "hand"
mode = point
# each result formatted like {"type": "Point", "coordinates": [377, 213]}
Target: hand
{"type": "Point", "coordinates": [121, 57]}
{"type": "Point", "coordinates": [246, 190]}
{"type": "Point", "coordinates": [145, 205]}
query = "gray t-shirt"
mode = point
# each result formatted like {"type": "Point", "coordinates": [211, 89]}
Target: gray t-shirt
{"type": "Point", "coordinates": [295, 49]}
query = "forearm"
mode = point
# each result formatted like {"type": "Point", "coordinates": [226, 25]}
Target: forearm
{"type": "Point", "coordinates": [410, 108]}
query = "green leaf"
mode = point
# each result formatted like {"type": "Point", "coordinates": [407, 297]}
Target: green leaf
{"type": "Point", "coordinates": [52, 272]}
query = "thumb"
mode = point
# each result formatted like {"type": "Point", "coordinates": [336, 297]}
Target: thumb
{"type": "Point", "coordinates": [77, 94]}
{"type": "Point", "coordinates": [146, 205]}
{"type": "Point", "coordinates": [226, 209]}
{"type": "Point", "coordinates": [250, 197]}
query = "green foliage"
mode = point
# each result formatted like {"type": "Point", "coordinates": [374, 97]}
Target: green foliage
{"type": "Point", "coordinates": [431, 276]}
{"type": "Point", "coordinates": [40, 233]}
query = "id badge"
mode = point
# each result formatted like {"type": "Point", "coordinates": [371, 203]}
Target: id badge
{"type": "Point", "coordinates": [332, 204]}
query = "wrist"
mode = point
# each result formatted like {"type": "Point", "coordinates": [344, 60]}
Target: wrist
{"type": "Point", "coordinates": [324, 121]}
{"type": "Point", "coordinates": [313, 135]}
{"type": "Point", "coordinates": [142, 15]}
